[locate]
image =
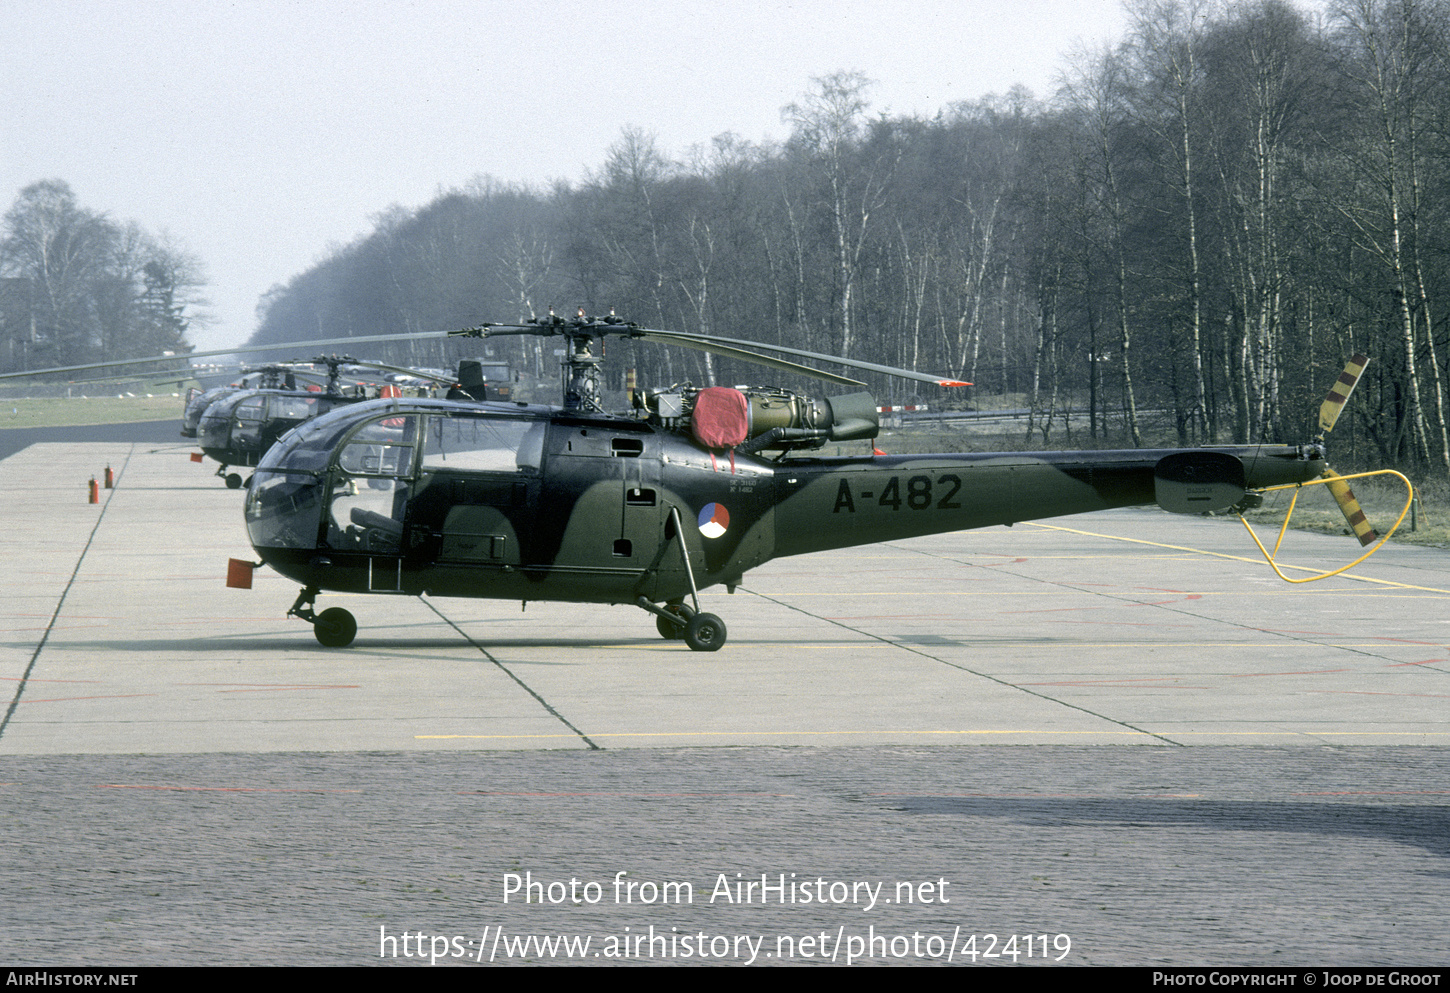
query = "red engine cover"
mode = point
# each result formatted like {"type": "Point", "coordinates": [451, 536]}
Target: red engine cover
{"type": "Point", "coordinates": [721, 418]}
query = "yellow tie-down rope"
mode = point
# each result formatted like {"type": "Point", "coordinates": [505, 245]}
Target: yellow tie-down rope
{"type": "Point", "coordinates": [1330, 478]}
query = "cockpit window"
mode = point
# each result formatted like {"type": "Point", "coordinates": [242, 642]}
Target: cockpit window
{"type": "Point", "coordinates": [381, 448]}
{"type": "Point", "coordinates": [483, 444]}
{"type": "Point", "coordinates": [363, 459]}
{"type": "Point", "coordinates": [283, 509]}
{"type": "Point", "coordinates": [293, 408]}
{"type": "Point", "coordinates": [309, 445]}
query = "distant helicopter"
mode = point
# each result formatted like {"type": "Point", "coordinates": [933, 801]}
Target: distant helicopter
{"type": "Point", "coordinates": [575, 504]}
{"type": "Point", "coordinates": [274, 377]}
{"type": "Point", "coordinates": [238, 423]}
{"type": "Point", "coordinates": [238, 427]}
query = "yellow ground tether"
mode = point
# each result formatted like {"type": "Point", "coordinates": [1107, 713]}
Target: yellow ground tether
{"type": "Point", "coordinates": [1328, 479]}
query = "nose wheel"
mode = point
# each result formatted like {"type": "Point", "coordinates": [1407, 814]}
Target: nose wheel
{"type": "Point", "coordinates": [333, 628]}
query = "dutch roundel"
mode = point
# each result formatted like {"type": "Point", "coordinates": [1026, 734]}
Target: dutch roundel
{"type": "Point", "coordinates": [714, 519]}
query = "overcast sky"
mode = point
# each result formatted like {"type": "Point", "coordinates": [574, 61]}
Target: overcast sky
{"type": "Point", "coordinates": [259, 134]}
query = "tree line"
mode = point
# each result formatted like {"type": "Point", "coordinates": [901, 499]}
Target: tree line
{"type": "Point", "coordinates": [78, 287]}
{"type": "Point", "coordinates": [1183, 244]}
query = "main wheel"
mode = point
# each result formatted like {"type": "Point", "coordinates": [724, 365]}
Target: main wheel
{"type": "Point", "coordinates": [234, 481]}
{"type": "Point", "coordinates": [669, 631]}
{"type": "Point", "coordinates": [705, 633]}
{"type": "Point", "coordinates": [335, 627]}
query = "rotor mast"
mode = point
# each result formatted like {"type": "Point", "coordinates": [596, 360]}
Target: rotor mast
{"type": "Point", "coordinates": [579, 370]}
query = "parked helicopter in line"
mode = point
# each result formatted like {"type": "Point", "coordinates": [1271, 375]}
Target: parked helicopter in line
{"type": "Point", "coordinates": [240, 426]}
{"type": "Point", "coordinates": [237, 429]}
{"type": "Point", "coordinates": [573, 504]}
{"type": "Point", "coordinates": [270, 377]}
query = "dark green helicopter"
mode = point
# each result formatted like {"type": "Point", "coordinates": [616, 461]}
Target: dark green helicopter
{"type": "Point", "coordinates": [276, 377]}
{"type": "Point", "coordinates": [690, 489]}
{"type": "Point", "coordinates": [240, 425]}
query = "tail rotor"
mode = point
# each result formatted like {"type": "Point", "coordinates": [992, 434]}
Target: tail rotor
{"type": "Point", "coordinates": [1329, 412]}
{"type": "Point", "coordinates": [1337, 485]}
{"type": "Point", "coordinates": [1339, 393]}
{"type": "Point", "coordinates": [1349, 507]}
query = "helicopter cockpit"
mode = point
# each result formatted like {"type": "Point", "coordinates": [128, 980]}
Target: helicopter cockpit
{"type": "Point", "coordinates": [354, 480]}
{"type": "Point", "coordinates": [197, 401]}
{"type": "Point", "coordinates": [235, 423]}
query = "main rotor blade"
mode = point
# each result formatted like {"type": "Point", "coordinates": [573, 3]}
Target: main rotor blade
{"type": "Point", "coordinates": [159, 376]}
{"type": "Point", "coordinates": [419, 373]}
{"type": "Point", "coordinates": [715, 347]}
{"type": "Point", "coordinates": [738, 348]}
{"type": "Point", "coordinates": [700, 341]}
{"type": "Point", "coordinates": [1339, 393]}
{"type": "Point", "coordinates": [239, 350]}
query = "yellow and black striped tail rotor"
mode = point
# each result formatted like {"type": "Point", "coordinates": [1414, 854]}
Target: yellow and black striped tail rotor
{"type": "Point", "coordinates": [1330, 409]}
{"type": "Point", "coordinates": [1329, 412]}
{"type": "Point", "coordinates": [1349, 506]}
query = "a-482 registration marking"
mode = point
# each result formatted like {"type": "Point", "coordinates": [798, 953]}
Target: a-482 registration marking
{"type": "Point", "coordinates": [919, 492]}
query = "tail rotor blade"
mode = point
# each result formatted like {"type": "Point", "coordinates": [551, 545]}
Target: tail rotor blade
{"type": "Point", "coordinates": [1349, 507]}
{"type": "Point", "coordinates": [1339, 393]}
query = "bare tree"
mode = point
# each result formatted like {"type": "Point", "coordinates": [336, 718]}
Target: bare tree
{"type": "Point", "coordinates": [1095, 90]}
{"type": "Point", "coordinates": [829, 125]}
{"type": "Point", "coordinates": [60, 249]}
{"type": "Point", "coordinates": [1167, 35]}
{"type": "Point", "coordinates": [83, 288]}
{"type": "Point", "coordinates": [1387, 70]}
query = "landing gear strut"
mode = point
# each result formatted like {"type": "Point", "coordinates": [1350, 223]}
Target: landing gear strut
{"type": "Point", "coordinates": [334, 627]}
{"type": "Point", "coordinates": [674, 620]}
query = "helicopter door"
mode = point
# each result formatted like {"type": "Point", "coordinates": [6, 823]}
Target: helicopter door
{"type": "Point", "coordinates": [601, 511]}
{"type": "Point", "coordinates": [641, 513]}
{"type": "Point", "coordinates": [246, 431]}
{"type": "Point", "coordinates": [371, 484]}
{"type": "Point", "coordinates": [477, 490]}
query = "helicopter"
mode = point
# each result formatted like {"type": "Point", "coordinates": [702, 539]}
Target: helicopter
{"type": "Point", "coordinates": [690, 489]}
{"type": "Point", "coordinates": [272, 377]}
{"type": "Point", "coordinates": [237, 423]}
{"type": "Point", "coordinates": [240, 425]}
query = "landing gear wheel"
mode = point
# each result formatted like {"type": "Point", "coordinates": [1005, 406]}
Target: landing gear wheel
{"type": "Point", "coordinates": [668, 630]}
{"type": "Point", "coordinates": [335, 627]}
{"type": "Point", "coordinates": [705, 633]}
{"type": "Point", "coordinates": [234, 481]}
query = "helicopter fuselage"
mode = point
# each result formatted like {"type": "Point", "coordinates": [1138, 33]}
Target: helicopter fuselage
{"type": "Point", "coordinates": [239, 427]}
{"type": "Point", "coordinates": [533, 503]}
